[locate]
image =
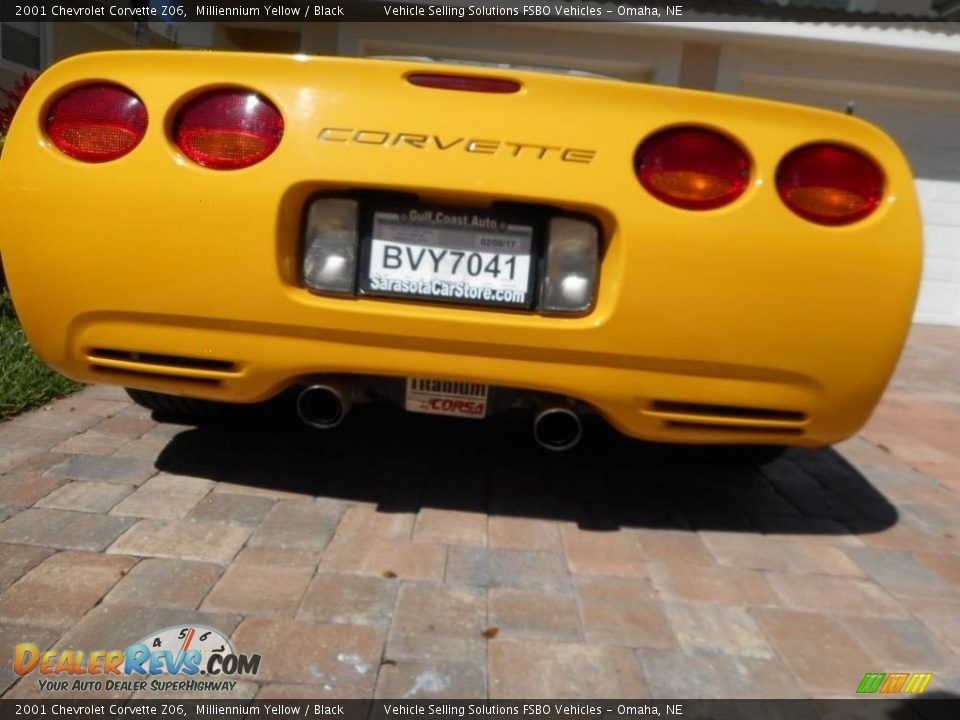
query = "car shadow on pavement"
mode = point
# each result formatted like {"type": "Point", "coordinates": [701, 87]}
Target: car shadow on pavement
{"type": "Point", "coordinates": [402, 462]}
{"type": "Point", "coordinates": [938, 705]}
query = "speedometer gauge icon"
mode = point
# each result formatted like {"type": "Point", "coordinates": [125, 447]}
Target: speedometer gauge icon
{"type": "Point", "coordinates": [181, 639]}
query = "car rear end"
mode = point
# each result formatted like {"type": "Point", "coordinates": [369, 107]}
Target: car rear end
{"type": "Point", "coordinates": [693, 266]}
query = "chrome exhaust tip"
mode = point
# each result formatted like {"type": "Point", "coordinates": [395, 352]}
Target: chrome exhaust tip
{"type": "Point", "coordinates": [557, 428]}
{"type": "Point", "coordinates": [323, 406]}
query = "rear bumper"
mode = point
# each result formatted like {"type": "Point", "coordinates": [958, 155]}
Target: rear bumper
{"type": "Point", "coordinates": [660, 399]}
{"type": "Point", "coordinates": [790, 330]}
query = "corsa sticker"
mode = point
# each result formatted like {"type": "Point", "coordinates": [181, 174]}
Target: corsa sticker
{"type": "Point", "coordinates": [447, 397]}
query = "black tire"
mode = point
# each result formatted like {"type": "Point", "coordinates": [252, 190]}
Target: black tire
{"type": "Point", "coordinates": [173, 406]}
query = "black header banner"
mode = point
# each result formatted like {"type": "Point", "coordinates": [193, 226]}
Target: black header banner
{"type": "Point", "coordinates": [941, 706]}
{"type": "Point", "coordinates": [260, 11]}
{"type": "Point", "coordinates": [178, 11]}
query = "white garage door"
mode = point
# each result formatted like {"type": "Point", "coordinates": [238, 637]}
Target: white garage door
{"type": "Point", "coordinates": [919, 105]}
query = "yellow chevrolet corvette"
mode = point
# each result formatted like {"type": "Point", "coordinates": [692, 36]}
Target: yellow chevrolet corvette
{"type": "Point", "coordinates": [694, 267]}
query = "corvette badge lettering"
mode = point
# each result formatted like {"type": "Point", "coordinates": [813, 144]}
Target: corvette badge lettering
{"type": "Point", "coordinates": [421, 141]}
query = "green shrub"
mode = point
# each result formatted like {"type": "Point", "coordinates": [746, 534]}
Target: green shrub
{"type": "Point", "coordinates": [25, 381]}
{"type": "Point", "coordinates": [3, 277]}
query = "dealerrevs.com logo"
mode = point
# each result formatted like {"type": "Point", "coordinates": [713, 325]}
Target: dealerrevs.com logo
{"type": "Point", "coordinates": [154, 663]}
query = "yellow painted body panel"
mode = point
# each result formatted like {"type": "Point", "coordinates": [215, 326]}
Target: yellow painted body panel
{"type": "Point", "coordinates": [747, 306]}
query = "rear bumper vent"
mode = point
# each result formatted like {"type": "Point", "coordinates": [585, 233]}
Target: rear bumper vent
{"type": "Point", "coordinates": [702, 416]}
{"type": "Point", "coordinates": [156, 366]}
{"type": "Point", "coordinates": [729, 411]}
{"type": "Point", "coordinates": [728, 428]}
{"type": "Point", "coordinates": [175, 361]}
{"type": "Point", "coordinates": [117, 374]}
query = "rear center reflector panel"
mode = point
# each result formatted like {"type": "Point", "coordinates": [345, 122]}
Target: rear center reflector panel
{"type": "Point", "coordinates": [467, 83]}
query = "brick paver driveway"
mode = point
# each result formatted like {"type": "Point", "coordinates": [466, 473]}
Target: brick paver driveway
{"type": "Point", "coordinates": [404, 556]}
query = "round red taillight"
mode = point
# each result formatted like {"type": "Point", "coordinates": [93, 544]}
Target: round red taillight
{"type": "Point", "coordinates": [829, 184]}
{"type": "Point", "coordinates": [228, 129]}
{"type": "Point", "coordinates": [97, 123]}
{"type": "Point", "coordinates": [692, 168]}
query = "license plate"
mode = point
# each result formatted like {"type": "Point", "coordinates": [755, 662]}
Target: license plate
{"type": "Point", "coordinates": [447, 397]}
{"type": "Point", "coordinates": [457, 256]}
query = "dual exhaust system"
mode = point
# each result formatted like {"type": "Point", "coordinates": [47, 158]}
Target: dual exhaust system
{"type": "Point", "coordinates": [324, 406]}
